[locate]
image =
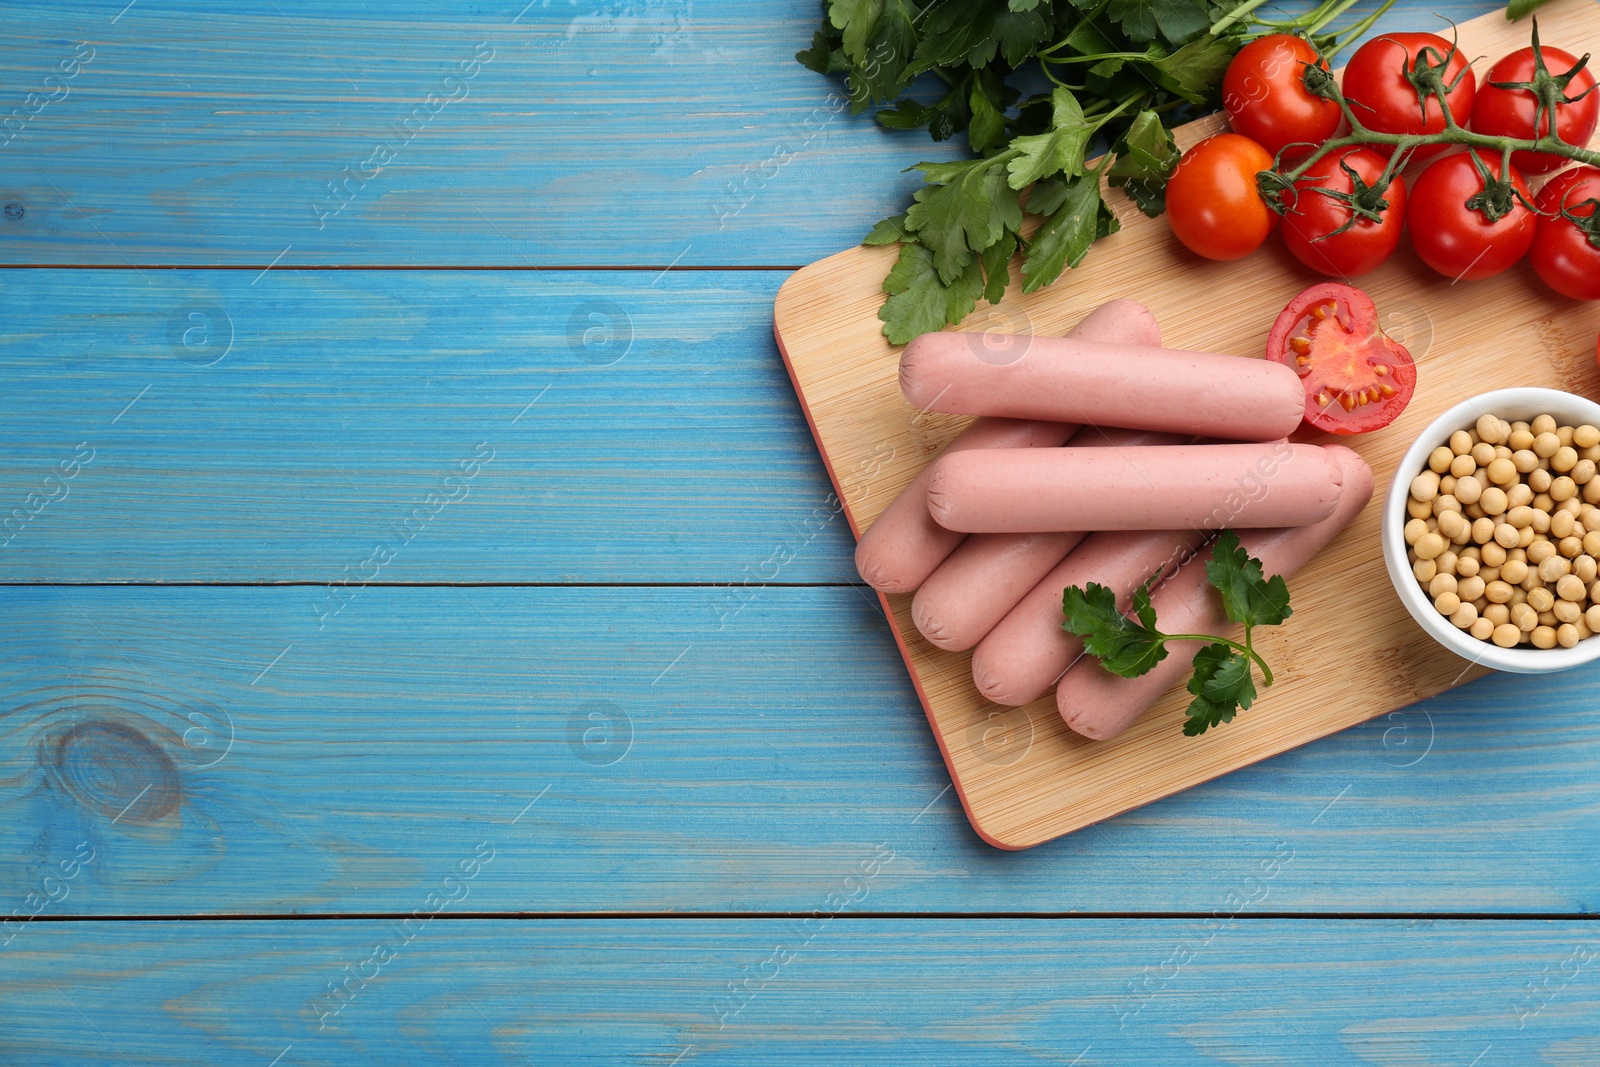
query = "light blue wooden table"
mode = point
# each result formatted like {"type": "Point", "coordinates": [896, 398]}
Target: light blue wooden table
{"type": "Point", "coordinates": [392, 667]}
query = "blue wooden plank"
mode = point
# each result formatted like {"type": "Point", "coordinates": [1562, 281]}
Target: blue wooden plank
{"type": "Point", "coordinates": [569, 426]}
{"type": "Point", "coordinates": [666, 749]}
{"type": "Point", "coordinates": [576, 133]}
{"type": "Point", "coordinates": [634, 131]}
{"type": "Point", "coordinates": [825, 989]}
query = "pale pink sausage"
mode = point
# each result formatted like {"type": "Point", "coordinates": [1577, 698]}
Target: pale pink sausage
{"type": "Point", "coordinates": [903, 545]}
{"type": "Point", "coordinates": [1207, 486]}
{"type": "Point", "coordinates": [1100, 705]}
{"type": "Point", "coordinates": [1101, 384]}
{"type": "Point", "coordinates": [984, 578]}
{"type": "Point", "coordinates": [1026, 652]}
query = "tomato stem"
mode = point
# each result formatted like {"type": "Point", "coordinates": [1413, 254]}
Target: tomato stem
{"type": "Point", "coordinates": [1588, 225]}
{"type": "Point", "coordinates": [1365, 201]}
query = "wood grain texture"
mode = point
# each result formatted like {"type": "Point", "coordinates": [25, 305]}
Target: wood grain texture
{"type": "Point", "coordinates": [1346, 613]}
{"type": "Point", "coordinates": [597, 133]}
{"type": "Point", "coordinates": [641, 429]}
{"type": "Point", "coordinates": [834, 990]}
{"type": "Point", "coordinates": [681, 760]}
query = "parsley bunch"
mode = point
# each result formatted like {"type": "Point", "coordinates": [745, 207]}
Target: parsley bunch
{"type": "Point", "coordinates": [1119, 71]}
{"type": "Point", "coordinates": [1222, 684]}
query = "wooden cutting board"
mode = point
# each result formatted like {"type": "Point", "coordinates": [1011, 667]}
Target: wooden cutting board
{"type": "Point", "coordinates": [1350, 652]}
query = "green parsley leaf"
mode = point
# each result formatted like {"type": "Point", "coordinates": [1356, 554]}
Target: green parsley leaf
{"type": "Point", "coordinates": [961, 296]}
{"type": "Point", "coordinates": [1247, 596]}
{"type": "Point", "coordinates": [1047, 196]}
{"type": "Point", "coordinates": [958, 31]}
{"type": "Point", "coordinates": [1121, 645]}
{"type": "Point", "coordinates": [823, 57]}
{"type": "Point", "coordinates": [964, 209]}
{"type": "Point", "coordinates": [950, 115]}
{"type": "Point", "coordinates": [919, 302]}
{"type": "Point", "coordinates": [882, 72]}
{"type": "Point", "coordinates": [888, 231]}
{"type": "Point", "coordinates": [876, 39]}
{"type": "Point", "coordinates": [1195, 71]}
{"type": "Point", "coordinates": [1087, 40]}
{"type": "Point", "coordinates": [1143, 607]}
{"type": "Point", "coordinates": [917, 298]}
{"type": "Point", "coordinates": [1222, 686]}
{"type": "Point", "coordinates": [857, 18]}
{"type": "Point", "coordinates": [1064, 239]}
{"type": "Point", "coordinates": [905, 115]}
{"type": "Point", "coordinates": [1019, 33]}
{"type": "Point", "coordinates": [997, 267]}
{"type": "Point", "coordinates": [1136, 17]}
{"type": "Point", "coordinates": [988, 125]}
{"type": "Point", "coordinates": [1058, 151]}
{"type": "Point", "coordinates": [1174, 20]}
{"type": "Point", "coordinates": [1146, 158]}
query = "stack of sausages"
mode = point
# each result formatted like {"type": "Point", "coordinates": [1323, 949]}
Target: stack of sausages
{"type": "Point", "coordinates": [992, 532]}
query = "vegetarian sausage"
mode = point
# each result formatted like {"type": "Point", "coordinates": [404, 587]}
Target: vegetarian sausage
{"type": "Point", "coordinates": [1029, 649]}
{"type": "Point", "coordinates": [1100, 705]}
{"type": "Point", "coordinates": [1150, 487]}
{"type": "Point", "coordinates": [903, 545]}
{"type": "Point", "coordinates": [984, 578]}
{"type": "Point", "coordinates": [1101, 384]}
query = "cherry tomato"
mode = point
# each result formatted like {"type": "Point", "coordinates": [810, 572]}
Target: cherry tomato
{"type": "Point", "coordinates": [1313, 217]}
{"type": "Point", "coordinates": [1460, 242]}
{"type": "Point", "coordinates": [1267, 98]}
{"type": "Point", "coordinates": [1212, 202]}
{"type": "Point", "coordinates": [1506, 112]}
{"type": "Point", "coordinates": [1357, 379]}
{"type": "Point", "coordinates": [1566, 257]}
{"type": "Point", "coordinates": [1385, 100]}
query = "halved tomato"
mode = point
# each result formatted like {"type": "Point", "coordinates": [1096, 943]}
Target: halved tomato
{"type": "Point", "coordinates": [1357, 378]}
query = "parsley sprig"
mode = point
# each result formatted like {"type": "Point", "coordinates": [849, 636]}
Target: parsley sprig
{"type": "Point", "coordinates": [1223, 683]}
{"type": "Point", "coordinates": [1115, 73]}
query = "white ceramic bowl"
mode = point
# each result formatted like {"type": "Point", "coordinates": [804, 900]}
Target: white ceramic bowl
{"type": "Point", "coordinates": [1511, 405]}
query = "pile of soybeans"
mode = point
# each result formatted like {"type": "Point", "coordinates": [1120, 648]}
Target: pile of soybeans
{"type": "Point", "coordinates": [1504, 531]}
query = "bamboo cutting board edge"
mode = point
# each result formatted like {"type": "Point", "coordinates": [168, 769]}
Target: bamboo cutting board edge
{"type": "Point", "coordinates": [872, 443]}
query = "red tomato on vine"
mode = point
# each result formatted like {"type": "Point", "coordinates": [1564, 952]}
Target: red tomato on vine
{"type": "Point", "coordinates": [1337, 221]}
{"type": "Point", "coordinates": [1510, 102]}
{"type": "Point", "coordinates": [1388, 82]}
{"type": "Point", "coordinates": [1265, 94]}
{"type": "Point", "coordinates": [1566, 253]}
{"type": "Point", "coordinates": [1449, 227]}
